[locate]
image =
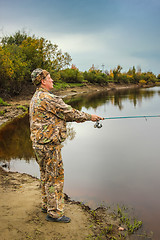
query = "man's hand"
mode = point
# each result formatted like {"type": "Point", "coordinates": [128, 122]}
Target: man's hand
{"type": "Point", "coordinates": [95, 118]}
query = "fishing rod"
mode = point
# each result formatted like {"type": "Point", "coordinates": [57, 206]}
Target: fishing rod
{"type": "Point", "coordinates": [99, 125]}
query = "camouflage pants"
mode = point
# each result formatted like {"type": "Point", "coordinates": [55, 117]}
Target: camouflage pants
{"type": "Point", "coordinates": [49, 159]}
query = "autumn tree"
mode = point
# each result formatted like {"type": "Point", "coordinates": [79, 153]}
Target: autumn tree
{"type": "Point", "coordinates": [13, 68]}
{"type": "Point", "coordinates": [20, 54]}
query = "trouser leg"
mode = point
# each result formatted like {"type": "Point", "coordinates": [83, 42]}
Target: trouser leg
{"type": "Point", "coordinates": [54, 183]}
{"type": "Point", "coordinates": [52, 178]}
{"type": "Point", "coordinates": [40, 158]}
{"type": "Point", "coordinates": [44, 197]}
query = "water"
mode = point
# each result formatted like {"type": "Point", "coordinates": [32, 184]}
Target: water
{"type": "Point", "coordinates": [118, 163]}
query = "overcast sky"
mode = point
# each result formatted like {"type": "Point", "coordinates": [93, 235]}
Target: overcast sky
{"type": "Point", "coordinates": [99, 32]}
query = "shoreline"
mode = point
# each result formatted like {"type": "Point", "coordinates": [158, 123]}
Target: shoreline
{"type": "Point", "coordinates": [21, 216]}
{"type": "Point", "coordinates": [18, 105]}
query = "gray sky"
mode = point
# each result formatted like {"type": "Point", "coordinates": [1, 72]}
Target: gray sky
{"type": "Point", "coordinates": [109, 32]}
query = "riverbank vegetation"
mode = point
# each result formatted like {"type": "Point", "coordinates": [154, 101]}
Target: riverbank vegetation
{"type": "Point", "coordinates": [21, 53]}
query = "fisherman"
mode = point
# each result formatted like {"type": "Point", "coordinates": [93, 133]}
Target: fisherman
{"type": "Point", "coordinates": [48, 117]}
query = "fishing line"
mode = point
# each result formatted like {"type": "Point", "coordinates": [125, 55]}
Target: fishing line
{"type": "Point", "coordinates": [99, 125]}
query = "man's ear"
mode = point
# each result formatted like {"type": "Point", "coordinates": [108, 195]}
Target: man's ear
{"type": "Point", "coordinates": [43, 81]}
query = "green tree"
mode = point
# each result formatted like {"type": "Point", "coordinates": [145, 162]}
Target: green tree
{"type": "Point", "coordinates": [96, 76]}
{"type": "Point", "coordinates": [16, 39]}
{"type": "Point", "coordinates": [117, 74]}
{"type": "Point", "coordinates": [149, 77]}
{"type": "Point", "coordinates": [71, 76]}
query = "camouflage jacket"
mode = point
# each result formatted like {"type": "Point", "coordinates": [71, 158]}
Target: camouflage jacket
{"type": "Point", "coordinates": [48, 117]}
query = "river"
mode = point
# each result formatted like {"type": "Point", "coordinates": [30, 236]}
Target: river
{"type": "Point", "coordinates": [116, 164]}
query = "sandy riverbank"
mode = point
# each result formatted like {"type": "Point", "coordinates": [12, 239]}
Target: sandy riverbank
{"type": "Point", "coordinates": [21, 216]}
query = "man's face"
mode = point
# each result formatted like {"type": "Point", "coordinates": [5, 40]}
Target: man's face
{"type": "Point", "coordinates": [48, 83]}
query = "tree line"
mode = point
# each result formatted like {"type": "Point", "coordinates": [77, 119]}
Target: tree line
{"type": "Point", "coordinates": [21, 53]}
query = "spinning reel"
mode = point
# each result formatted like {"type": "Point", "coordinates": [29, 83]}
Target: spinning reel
{"type": "Point", "coordinates": [97, 124]}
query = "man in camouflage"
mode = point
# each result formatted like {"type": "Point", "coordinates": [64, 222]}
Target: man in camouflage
{"type": "Point", "coordinates": [48, 117]}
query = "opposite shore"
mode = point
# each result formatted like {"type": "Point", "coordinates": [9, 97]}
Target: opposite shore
{"type": "Point", "coordinates": [17, 105]}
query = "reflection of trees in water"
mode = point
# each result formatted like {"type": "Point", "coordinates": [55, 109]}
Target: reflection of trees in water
{"type": "Point", "coordinates": [15, 139]}
{"type": "Point", "coordinates": [71, 133]}
{"type": "Point", "coordinates": [115, 97]}
{"type": "Point", "coordinates": [15, 136]}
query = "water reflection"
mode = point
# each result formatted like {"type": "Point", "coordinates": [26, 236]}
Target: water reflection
{"type": "Point", "coordinates": [117, 98]}
{"type": "Point", "coordinates": [15, 140]}
{"type": "Point", "coordinates": [15, 136]}
{"type": "Point", "coordinates": [22, 166]}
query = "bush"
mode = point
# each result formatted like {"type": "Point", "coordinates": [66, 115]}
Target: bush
{"type": "Point", "coordinates": [2, 103]}
{"type": "Point", "coordinates": [71, 76]}
{"type": "Point", "coordinates": [96, 76]}
{"type": "Point", "coordinates": [142, 82]}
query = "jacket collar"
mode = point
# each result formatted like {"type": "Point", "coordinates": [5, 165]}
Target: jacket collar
{"type": "Point", "coordinates": [43, 90]}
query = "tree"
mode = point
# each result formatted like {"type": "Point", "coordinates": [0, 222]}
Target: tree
{"type": "Point", "coordinates": [13, 68]}
{"type": "Point", "coordinates": [71, 75]}
{"type": "Point", "coordinates": [74, 67]}
{"type": "Point", "coordinates": [20, 54]}
{"type": "Point", "coordinates": [158, 77]}
{"type": "Point", "coordinates": [116, 74]}
{"type": "Point", "coordinates": [16, 39]}
{"type": "Point", "coordinates": [42, 53]}
{"type": "Point", "coordinates": [39, 52]}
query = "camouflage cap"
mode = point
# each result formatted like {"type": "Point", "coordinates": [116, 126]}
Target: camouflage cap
{"type": "Point", "coordinates": [37, 75]}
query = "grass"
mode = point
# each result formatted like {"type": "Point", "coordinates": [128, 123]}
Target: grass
{"type": "Point", "coordinates": [63, 85]}
{"type": "Point", "coordinates": [22, 107]}
{"type": "Point", "coordinates": [2, 103]}
{"type": "Point", "coordinates": [132, 226]}
{"type": "Point", "coordinates": [2, 113]}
